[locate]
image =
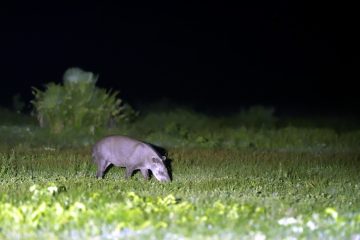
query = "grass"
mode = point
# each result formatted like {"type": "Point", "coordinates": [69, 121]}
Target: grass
{"type": "Point", "coordinates": [229, 182]}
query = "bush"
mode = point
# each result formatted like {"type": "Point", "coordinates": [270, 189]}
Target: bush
{"type": "Point", "coordinates": [11, 118]}
{"type": "Point", "coordinates": [258, 116]}
{"type": "Point", "coordinates": [78, 103]}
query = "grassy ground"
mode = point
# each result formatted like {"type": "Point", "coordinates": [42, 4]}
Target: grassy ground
{"type": "Point", "coordinates": [231, 179]}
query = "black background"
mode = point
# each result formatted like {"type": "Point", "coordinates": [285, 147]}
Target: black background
{"type": "Point", "coordinates": [296, 57]}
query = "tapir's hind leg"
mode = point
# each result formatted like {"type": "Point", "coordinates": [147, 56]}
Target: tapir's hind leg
{"type": "Point", "coordinates": [102, 165]}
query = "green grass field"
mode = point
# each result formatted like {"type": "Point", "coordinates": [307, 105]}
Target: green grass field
{"type": "Point", "coordinates": [234, 177]}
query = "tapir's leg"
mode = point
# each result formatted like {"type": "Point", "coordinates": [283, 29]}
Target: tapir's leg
{"type": "Point", "coordinates": [129, 171]}
{"type": "Point", "coordinates": [102, 165]}
{"type": "Point", "coordinates": [133, 158]}
{"type": "Point", "coordinates": [145, 173]}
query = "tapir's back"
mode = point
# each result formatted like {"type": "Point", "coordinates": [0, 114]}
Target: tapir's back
{"type": "Point", "coordinates": [115, 149]}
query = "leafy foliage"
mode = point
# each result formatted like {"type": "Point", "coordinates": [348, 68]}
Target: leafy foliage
{"type": "Point", "coordinates": [17, 104]}
{"type": "Point", "coordinates": [78, 103]}
{"type": "Point", "coordinates": [10, 118]}
{"type": "Point", "coordinates": [258, 116]}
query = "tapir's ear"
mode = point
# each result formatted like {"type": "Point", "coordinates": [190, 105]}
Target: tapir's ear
{"type": "Point", "coordinates": [163, 158]}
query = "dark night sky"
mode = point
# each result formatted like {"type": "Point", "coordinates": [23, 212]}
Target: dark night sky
{"type": "Point", "coordinates": [212, 55]}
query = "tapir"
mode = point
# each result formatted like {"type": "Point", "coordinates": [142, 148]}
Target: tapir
{"type": "Point", "coordinates": [123, 151]}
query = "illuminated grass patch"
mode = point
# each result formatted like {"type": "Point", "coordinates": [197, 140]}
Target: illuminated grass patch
{"type": "Point", "coordinates": [44, 214]}
{"type": "Point", "coordinates": [215, 193]}
{"type": "Point", "coordinates": [229, 182]}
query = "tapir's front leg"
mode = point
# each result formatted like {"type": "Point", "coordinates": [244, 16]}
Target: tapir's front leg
{"type": "Point", "coordinates": [145, 173]}
{"type": "Point", "coordinates": [129, 171]}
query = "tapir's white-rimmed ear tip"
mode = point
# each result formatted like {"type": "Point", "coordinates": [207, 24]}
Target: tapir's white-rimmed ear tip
{"type": "Point", "coordinates": [163, 158]}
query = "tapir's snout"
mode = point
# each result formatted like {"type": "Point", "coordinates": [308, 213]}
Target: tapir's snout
{"type": "Point", "coordinates": [166, 179]}
{"type": "Point", "coordinates": [162, 176]}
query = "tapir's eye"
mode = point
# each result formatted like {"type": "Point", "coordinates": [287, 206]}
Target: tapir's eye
{"type": "Point", "coordinates": [156, 160]}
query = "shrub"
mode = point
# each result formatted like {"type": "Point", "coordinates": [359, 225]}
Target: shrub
{"type": "Point", "coordinates": [258, 116]}
{"type": "Point", "coordinates": [17, 103]}
{"type": "Point", "coordinates": [78, 103]}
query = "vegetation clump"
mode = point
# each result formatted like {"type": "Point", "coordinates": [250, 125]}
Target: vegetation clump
{"type": "Point", "coordinates": [78, 103]}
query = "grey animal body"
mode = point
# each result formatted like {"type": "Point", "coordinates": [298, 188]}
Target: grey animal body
{"type": "Point", "coordinates": [132, 154]}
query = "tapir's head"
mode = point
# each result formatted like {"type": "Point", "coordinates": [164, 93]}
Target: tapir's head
{"type": "Point", "coordinates": [158, 168]}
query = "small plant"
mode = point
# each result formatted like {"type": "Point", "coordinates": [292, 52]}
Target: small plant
{"type": "Point", "coordinates": [78, 103]}
{"type": "Point", "coordinates": [177, 129]}
{"type": "Point", "coordinates": [18, 104]}
{"type": "Point", "coordinates": [258, 116]}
